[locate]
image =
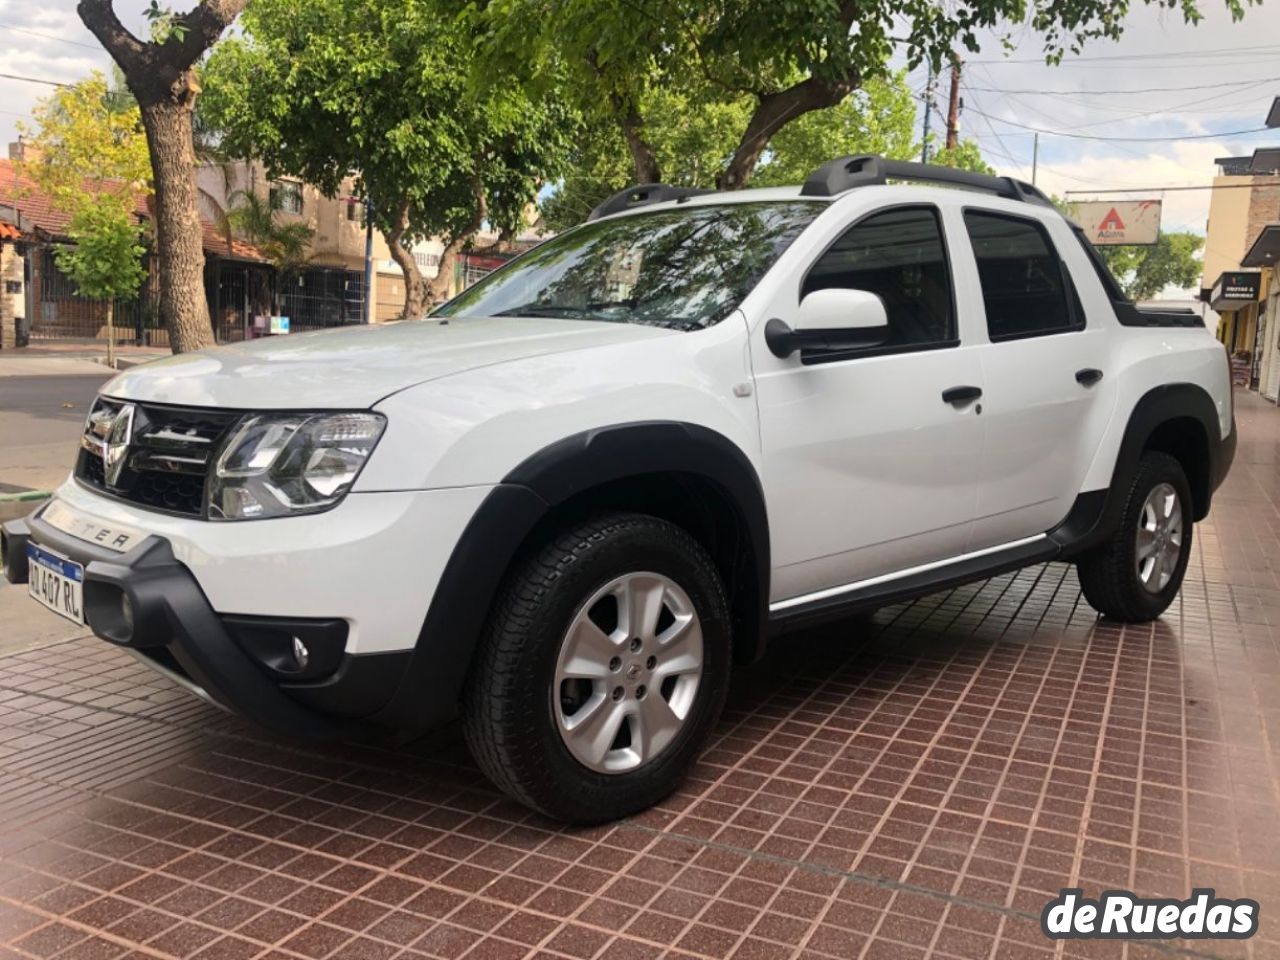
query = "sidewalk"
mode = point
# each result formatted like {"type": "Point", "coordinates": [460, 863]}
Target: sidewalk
{"type": "Point", "coordinates": [71, 357]}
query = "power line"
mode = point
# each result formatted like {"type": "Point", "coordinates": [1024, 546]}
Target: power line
{"type": "Point", "coordinates": [14, 76]}
{"type": "Point", "coordinates": [48, 36]}
{"type": "Point", "coordinates": [1168, 55]}
{"type": "Point", "coordinates": [1177, 189]}
{"type": "Point", "coordinates": [1095, 93]}
{"type": "Point", "coordinates": [1085, 136]}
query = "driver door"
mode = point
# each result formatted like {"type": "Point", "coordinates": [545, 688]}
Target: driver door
{"type": "Point", "coordinates": [867, 470]}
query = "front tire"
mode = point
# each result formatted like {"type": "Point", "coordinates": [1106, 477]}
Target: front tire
{"type": "Point", "coordinates": [604, 665]}
{"type": "Point", "coordinates": [1136, 575]}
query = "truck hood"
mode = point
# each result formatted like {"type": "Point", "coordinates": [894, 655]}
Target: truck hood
{"type": "Point", "coordinates": [355, 367]}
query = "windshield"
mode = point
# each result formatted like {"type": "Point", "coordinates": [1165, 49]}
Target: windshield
{"type": "Point", "coordinates": [683, 269]}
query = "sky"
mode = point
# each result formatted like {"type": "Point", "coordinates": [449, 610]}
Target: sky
{"type": "Point", "coordinates": [1163, 79]}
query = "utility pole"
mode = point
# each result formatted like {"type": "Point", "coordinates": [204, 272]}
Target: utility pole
{"type": "Point", "coordinates": [953, 106]}
{"type": "Point", "coordinates": [1035, 158]}
{"type": "Point", "coordinates": [368, 260]}
{"type": "Point", "coordinates": [928, 108]}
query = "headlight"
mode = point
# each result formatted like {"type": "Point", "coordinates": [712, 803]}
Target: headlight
{"type": "Point", "coordinates": [282, 465]}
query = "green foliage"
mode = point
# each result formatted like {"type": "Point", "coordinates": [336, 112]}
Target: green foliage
{"type": "Point", "coordinates": [322, 89]}
{"type": "Point", "coordinates": [693, 135]}
{"type": "Point", "coordinates": [105, 260]}
{"type": "Point", "coordinates": [165, 24]}
{"type": "Point", "coordinates": [878, 118]}
{"type": "Point", "coordinates": [785, 57]}
{"type": "Point", "coordinates": [285, 244]}
{"type": "Point", "coordinates": [966, 156]}
{"type": "Point", "coordinates": [1173, 261]}
{"type": "Point", "coordinates": [92, 163]}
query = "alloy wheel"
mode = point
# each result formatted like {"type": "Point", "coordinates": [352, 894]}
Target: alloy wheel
{"type": "Point", "coordinates": [628, 672]}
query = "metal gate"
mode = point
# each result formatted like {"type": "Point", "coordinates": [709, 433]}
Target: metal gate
{"type": "Point", "coordinates": [320, 297]}
{"type": "Point", "coordinates": [59, 313]}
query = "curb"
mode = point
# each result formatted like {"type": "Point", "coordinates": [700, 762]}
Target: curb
{"type": "Point", "coordinates": [15, 505]}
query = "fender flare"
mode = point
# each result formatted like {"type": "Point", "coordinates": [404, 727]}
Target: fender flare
{"type": "Point", "coordinates": [429, 691]}
{"type": "Point", "coordinates": [1096, 513]}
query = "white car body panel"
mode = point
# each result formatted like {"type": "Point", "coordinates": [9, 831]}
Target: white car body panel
{"type": "Point", "coordinates": [349, 564]}
{"type": "Point", "coordinates": [355, 367]}
{"type": "Point", "coordinates": [474, 427]}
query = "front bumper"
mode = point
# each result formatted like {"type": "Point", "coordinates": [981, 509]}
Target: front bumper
{"type": "Point", "coordinates": [148, 602]}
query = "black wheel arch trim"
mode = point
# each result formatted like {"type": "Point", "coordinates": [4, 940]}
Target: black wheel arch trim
{"type": "Point", "coordinates": [429, 691]}
{"type": "Point", "coordinates": [1096, 514]}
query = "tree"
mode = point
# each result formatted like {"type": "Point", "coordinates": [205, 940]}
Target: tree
{"type": "Point", "coordinates": [325, 89]}
{"type": "Point", "coordinates": [286, 246]}
{"type": "Point", "coordinates": [91, 161]}
{"type": "Point", "coordinates": [693, 135]}
{"type": "Point", "coordinates": [160, 73]}
{"type": "Point", "coordinates": [1172, 261]}
{"type": "Point", "coordinates": [966, 156]}
{"type": "Point", "coordinates": [787, 58]}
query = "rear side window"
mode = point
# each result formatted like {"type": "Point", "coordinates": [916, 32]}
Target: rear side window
{"type": "Point", "coordinates": [899, 255]}
{"type": "Point", "coordinates": [1024, 285]}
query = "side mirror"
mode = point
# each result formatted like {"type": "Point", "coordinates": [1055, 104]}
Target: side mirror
{"type": "Point", "coordinates": [832, 319]}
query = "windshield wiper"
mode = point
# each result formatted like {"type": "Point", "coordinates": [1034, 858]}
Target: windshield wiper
{"type": "Point", "coordinates": [542, 310]}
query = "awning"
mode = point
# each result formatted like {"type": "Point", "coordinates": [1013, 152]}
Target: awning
{"type": "Point", "coordinates": [1265, 251]}
{"type": "Point", "coordinates": [1235, 289]}
{"type": "Point", "coordinates": [1265, 160]}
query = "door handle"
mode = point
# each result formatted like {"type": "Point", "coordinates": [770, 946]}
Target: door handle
{"type": "Point", "coordinates": [1088, 376]}
{"type": "Point", "coordinates": [958, 395]}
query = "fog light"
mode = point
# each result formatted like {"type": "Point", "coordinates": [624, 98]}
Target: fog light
{"type": "Point", "coordinates": [301, 655]}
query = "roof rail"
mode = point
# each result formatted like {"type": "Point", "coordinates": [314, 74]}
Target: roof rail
{"type": "Point", "coordinates": [641, 196]}
{"type": "Point", "coordinates": [837, 176]}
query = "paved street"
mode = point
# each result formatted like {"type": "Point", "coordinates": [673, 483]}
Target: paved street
{"type": "Point", "coordinates": [41, 416]}
{"type": "Point", "coordinates": [921, 786]}
{"type": "Point", "coordinates": [43, 403]}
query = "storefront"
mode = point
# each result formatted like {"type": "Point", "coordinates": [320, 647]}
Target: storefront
{"type": "Point", "coordinates": [1236, 296]}
{"type": "Point", "coordinates": [1265, 254]}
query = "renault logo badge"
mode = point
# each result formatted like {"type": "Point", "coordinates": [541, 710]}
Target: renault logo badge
{"type": "Point", "coordinates": [115, 446]}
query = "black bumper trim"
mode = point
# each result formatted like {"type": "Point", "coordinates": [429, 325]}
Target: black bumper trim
{"type": "Point", "coordinates": [171, 621]}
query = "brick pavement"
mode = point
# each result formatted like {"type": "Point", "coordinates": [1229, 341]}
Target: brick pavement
{"type": "Point", "coordinates": [917, 785]}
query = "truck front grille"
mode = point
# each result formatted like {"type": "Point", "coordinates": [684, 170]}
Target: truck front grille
{"type": "Point", "coordinates": [155, 456]}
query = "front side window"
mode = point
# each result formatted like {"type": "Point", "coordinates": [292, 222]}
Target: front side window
{"type": "Point", "coordinates": [900, 256]}
{"type": "Point", "coordinates": [1024, 286]}
{"type": "Point", "coordinates": [684, 269]}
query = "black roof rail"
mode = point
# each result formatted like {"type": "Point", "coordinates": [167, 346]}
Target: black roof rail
{"type": "Point", "coordinates": [837, 176]}
{"type": "Point", "coordinates": [641, 196]}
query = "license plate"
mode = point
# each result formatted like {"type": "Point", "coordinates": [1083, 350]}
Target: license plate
{"type": "Point", "coordinates": [56, 582]}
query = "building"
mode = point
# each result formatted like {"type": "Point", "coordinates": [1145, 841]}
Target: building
{"type": "Point", "coordinates": [50, 307]}
{"type": "Point", "coordinates": [1264, 256]}
{"type": "Point", "coordinates": [1246, 195]}
{"type": "Point", "coordinates": [336, 263]}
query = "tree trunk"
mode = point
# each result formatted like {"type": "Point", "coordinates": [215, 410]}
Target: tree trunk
{"type": "Point", "coordinates": [415, 285]}
{"type": "Point", "coordinates": [642, 155]}
{"type": "Point", "coordinates": [179, 239]}
{"type": "Point", "coordinates": [161, 76]}
{"type": "Point", "coordinates": [111, 333]}
{"type": "Point", "coordinates": [773, 112]}
{"type": "Point", "coordinates": [438, 287]}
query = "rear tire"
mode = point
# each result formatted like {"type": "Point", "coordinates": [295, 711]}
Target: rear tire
{"type": "Point", "coordinates": [1136, 575]}
{"type": "Point", "coordinates": [604, 665]}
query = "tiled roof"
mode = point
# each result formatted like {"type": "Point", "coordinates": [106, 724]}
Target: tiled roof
{"type": "Point", "coordinates": [21, 192]}
{"type": "Point", "coordinates": [216, 243]}
{"type": "Point", "coordinates": [9, 232]}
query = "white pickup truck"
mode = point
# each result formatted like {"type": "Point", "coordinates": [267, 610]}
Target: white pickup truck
{"type": "Point", "coordinates": [566, 504]}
